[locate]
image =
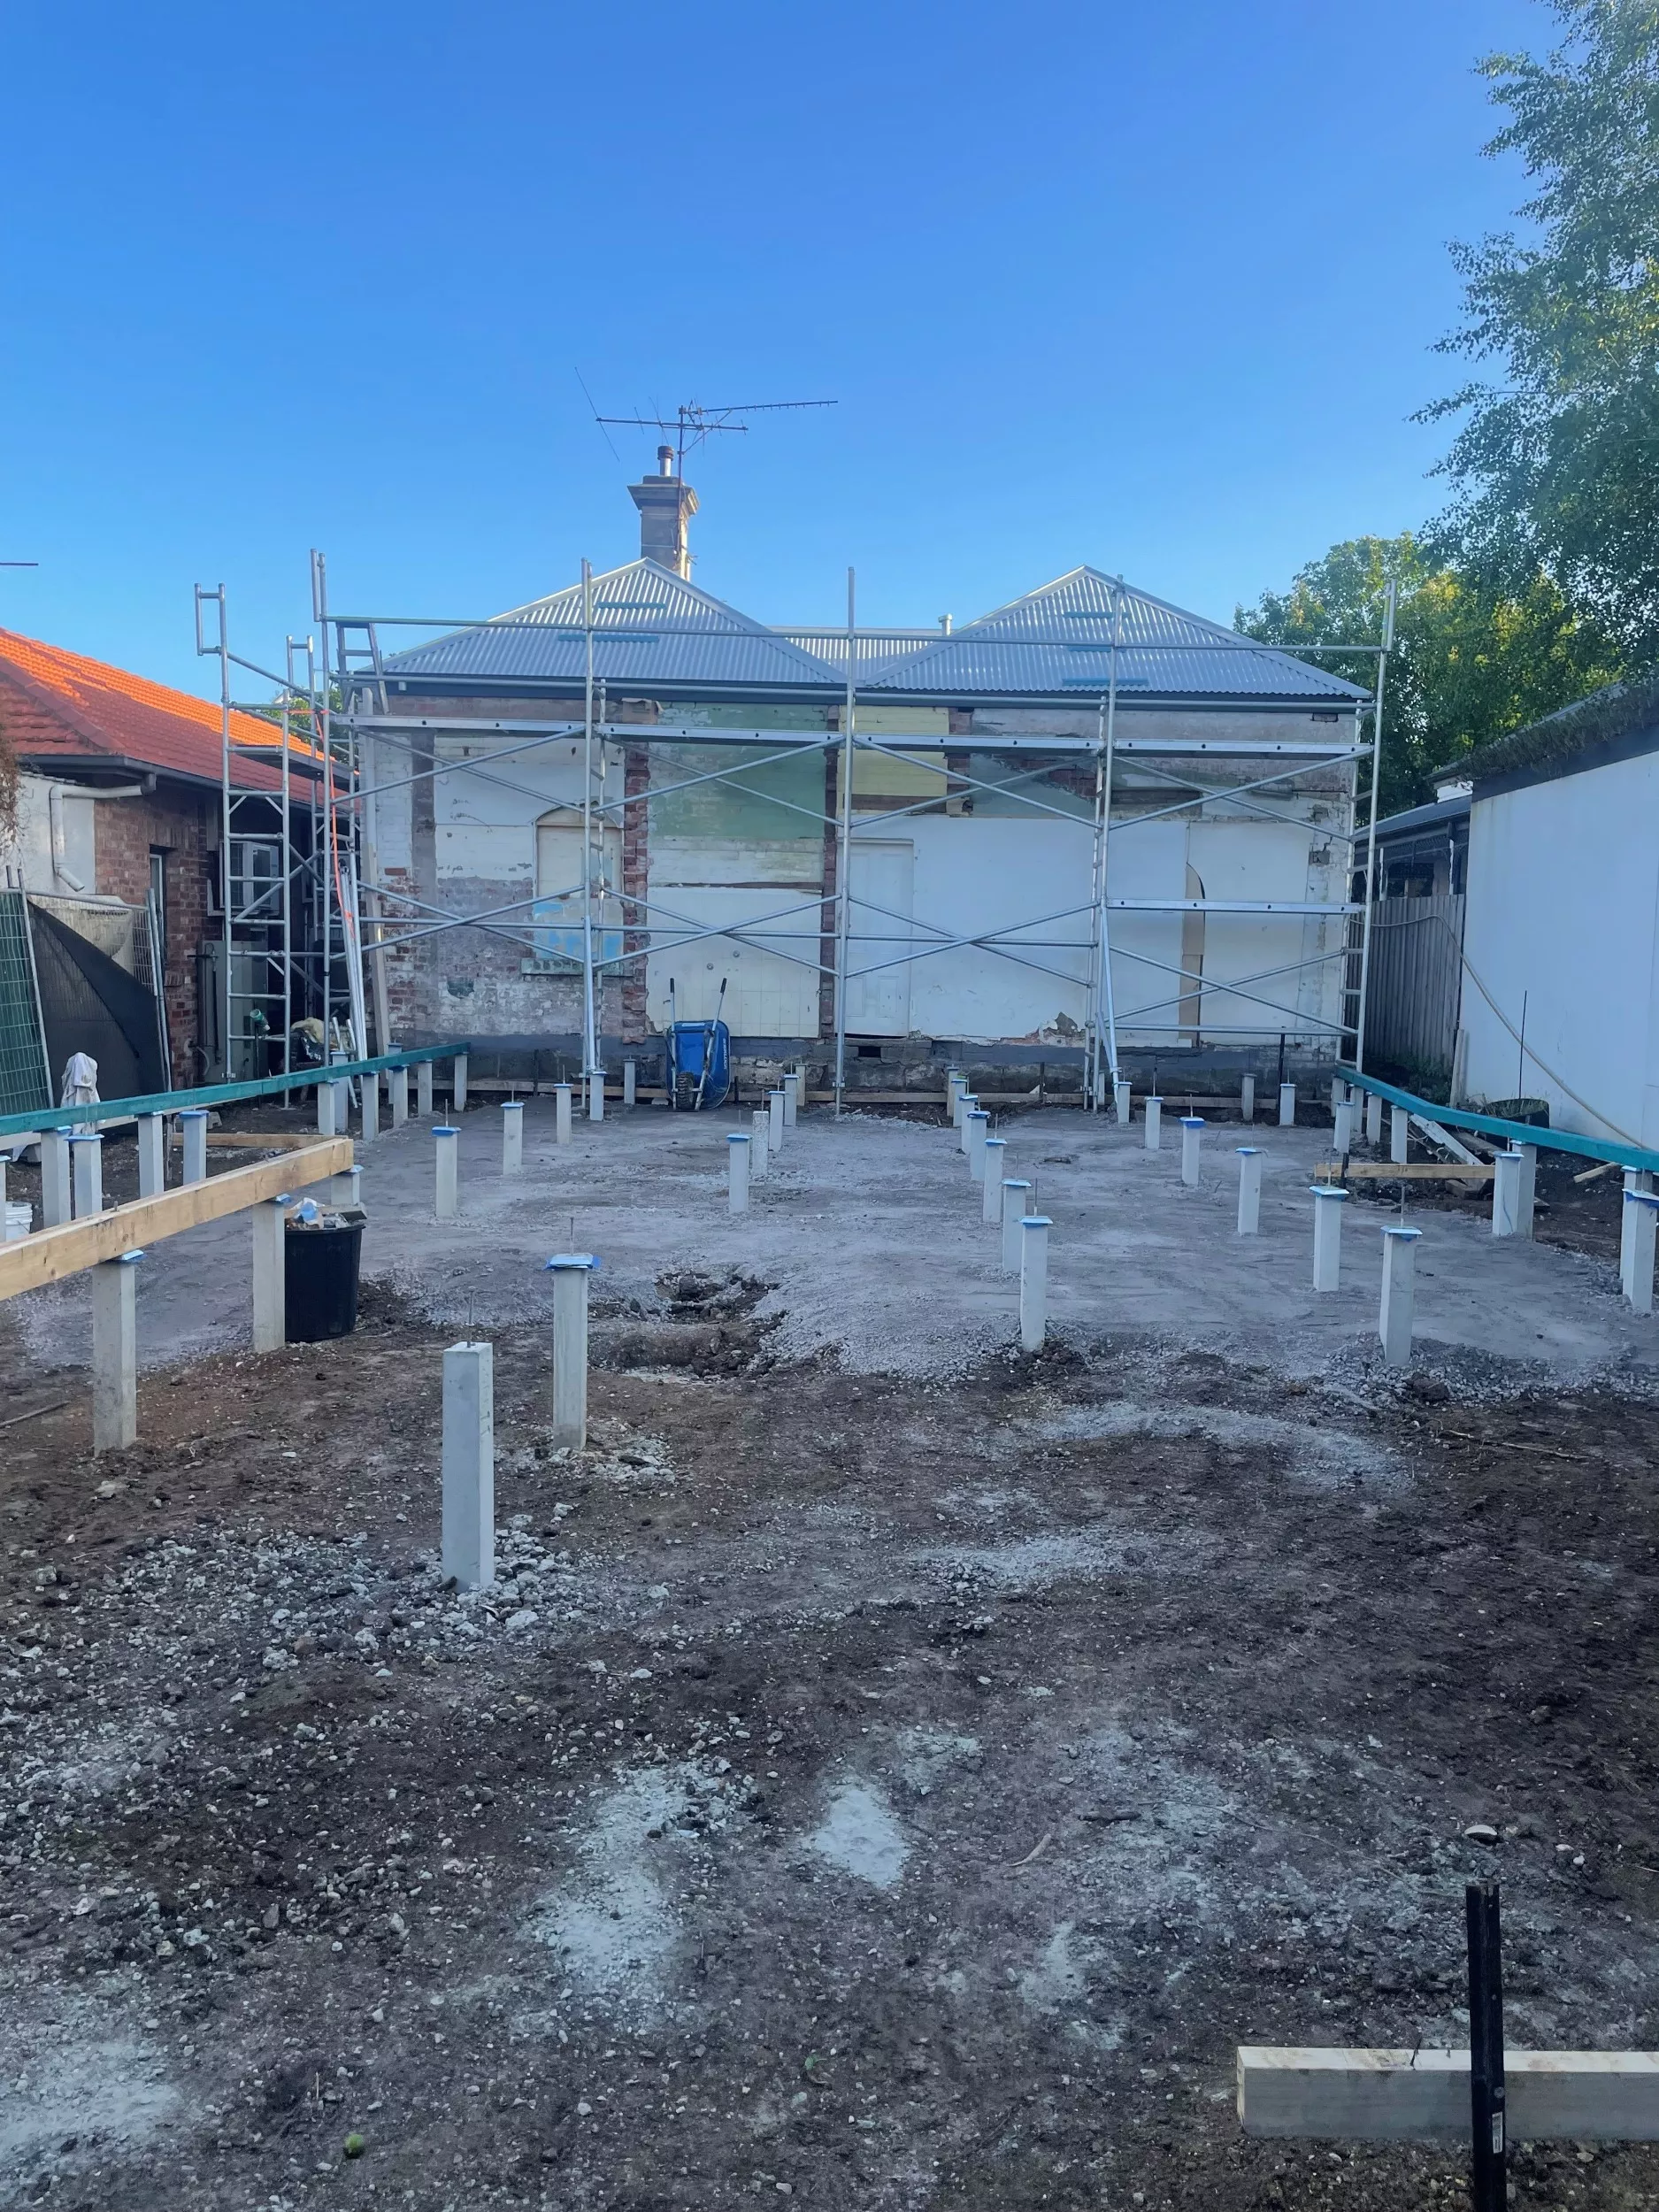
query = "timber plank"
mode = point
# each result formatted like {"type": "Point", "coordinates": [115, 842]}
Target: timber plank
{"type": "Point", "coordinates": [1423, 2096]}
{"type": "Point", "coordinates": [1390, 1171]}
{"type": "Point", "coordinates": [51, 1254]}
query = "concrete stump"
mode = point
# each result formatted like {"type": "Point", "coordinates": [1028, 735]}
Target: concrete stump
{"type": "Point", "coordinates": [571, 1271]}
{"type": "Point", "coordinates": [87, 1154]}
{"type": "Point", "coordinates": [512, 1136]}
{"type": "Point", "coordinates": [423, 1090]}
{"type": "Point", "coordinates": [1122, 1101]}
{"type": "Point", "coordinates": [115, 1353]}
{"type": "Point", "coordinates": [1287, 1105]}
{"type": "Point", "coordinates": [630, 1083]}
{"type": "Point", "coordinates": [1247, 1099]}
{"type": "Point", "coordinates": [1192, 1134]}
{"type": "Point", "coordinates": [447, 1142]}
{"type": "Point", "coordinates": [369, 1092]}
{"type": "Point", "coordinates": [595, 1094]}
{"type": "Point", "coordinates": [1154, 1125]}
{"type": "Point", "coordinates": [1016, 1192]}
{"type": "Point", "coordinates": [459, 1082]}
{"type": "Point", "coordinates": [469, 1465]}
{"type": "Point", "coordinates": [397, 1092]}
{"type": "Point", "coordinates": [1250, 1190]}
{"type": "Point", "coordinates": [1399, 1135]}
{"type": "Point", "coordinates": [1033, 1281]}
{"type": "Point", "coordinates": [1399, 1294]}
{"type": "Point", "coordinates": [561, 1113]}
{"type": "Point", "coordinates": [737, 1174]}
{"type": "Point", "coordinates": [760, 1146]}
{"type": "Point", "coordinates": [268, 1221]}
{"type": "Point", "coordinates": [774, 1122]}
{"type": "Point", "coordinates": [991, 1179]}
{"type": "Point", "coordinates": [1327, 1236]}
{"type": "Point", "coordinates": [978, 1125]}
{"type": "Point", "coordinates": [55, 1200]}
{"type": "Point", "coordinates": [193, 1126]}
{"type": "Point", "coordinates": [1373, 1119]}
{"type": "Point", "coordinates": [1506, 1192]}
{"type": "Point", "coordinates": [1344, 1136]}
{"type": "Point", "coordinates": [152, 1155]}
{"type": "Point", "coordinates": [1642, 1211]}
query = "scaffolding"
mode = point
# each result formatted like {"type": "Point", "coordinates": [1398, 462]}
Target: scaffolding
{"type": "Point", "coordinates": [353, 729]}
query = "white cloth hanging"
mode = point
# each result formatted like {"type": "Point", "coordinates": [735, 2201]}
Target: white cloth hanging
{"type": "Point", "coordinates": [81, 1085]}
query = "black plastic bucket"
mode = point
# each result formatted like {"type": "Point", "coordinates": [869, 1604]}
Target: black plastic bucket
{"type": "Point", "coordinates": [320, 1272]}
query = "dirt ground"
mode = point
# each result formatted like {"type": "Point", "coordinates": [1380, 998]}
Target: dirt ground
{"type": "Point", "coordinates": [873, 1792]}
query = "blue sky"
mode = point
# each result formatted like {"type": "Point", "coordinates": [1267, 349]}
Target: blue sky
{"type": "Point", "coordinates": [1149, 288]}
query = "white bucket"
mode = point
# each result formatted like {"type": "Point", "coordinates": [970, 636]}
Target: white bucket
{"type": "Point", "coordinates": [19, 1219]}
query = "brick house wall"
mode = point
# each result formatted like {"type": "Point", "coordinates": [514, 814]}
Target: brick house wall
{"type": "Point", "coordinates": [184, 824]}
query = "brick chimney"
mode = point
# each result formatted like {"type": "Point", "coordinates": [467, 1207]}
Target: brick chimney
{"type": "Point", "coordinates": [666, 503]}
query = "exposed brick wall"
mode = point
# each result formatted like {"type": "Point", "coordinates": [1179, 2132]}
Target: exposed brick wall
{"type": "Point", "coordinates": [636, 847]}
{"type": "Point", "coordinates": [185, 823]}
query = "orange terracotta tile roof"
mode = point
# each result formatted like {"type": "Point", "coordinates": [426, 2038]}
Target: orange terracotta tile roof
{"type": "Point", "coordinates": [55, 703]}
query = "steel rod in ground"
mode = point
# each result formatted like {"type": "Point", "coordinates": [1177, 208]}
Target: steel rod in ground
{"type": "Point", "coordinates": [1488, 2190]}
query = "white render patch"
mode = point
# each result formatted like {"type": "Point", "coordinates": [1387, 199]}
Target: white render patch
{"type": "Point", "coordinates": [859, 1834]}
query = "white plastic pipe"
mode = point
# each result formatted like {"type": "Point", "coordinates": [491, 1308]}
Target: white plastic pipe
{"type": "Point", "coordinates": [447, 1142]}
{"type": "Point", "coordinates": [571, 1271]}
{"type": "Point", "coordinates": [397, 1092]}
{"type": "Point", "coordinates": [1286, 1105]}
{"type": "Point", "coordinates": [1506, 1192]}
{"type": "Point", "coordinates": [1642, 1211]}
{"type": "Point", "coordinates": [115, 1353]}
{"type": "Point", "coordinates": [991, 1179]}
{"type": "Point", "coordinates": [152, 1155]}
{"type": "Point", "coordinates": [87, 1154]}
{"type": "Point", "coordinates": [1192, 1133]}
{"type": "Point", "coordinates": [469, 1465]}
{"type": "Point", "coordinates": [561, 1113]}
{"type": "Point", "coordinates": [1122, 1101]}
{"type": "Point", "coordinates": [193, 1124]}
{"type": "Point", "coordinates": [1247, 1099]}
{"type": "Point", "coordinates": [1399, 1135]}
{"type": "Point", "coordinates": [1399, 1294]}
{"type": "Point", "coordinates": [760, 1145]}
{"type": "Point", "coordinates": [1250, 1190]}
{"type": "Point", "coordinates": [55, 1199]}
{"type": "Point", "coordinates": [1016, 1192]}
{"type": "Point", "coordinates": [737, 1174]}
{"type": "Point", "coordinates": [1154, 1125]}
{"type": "Point", "coordinates": [1327, 1236]}
{"type": "Point", "coordinates": [1373, 1118]}
{"type": "Point", "coordinates": [269, 1221]}
{"type": "Point", "coordinates": [1033, 1281]}
{"type": "Point", "coordinates": [774, 1122]}
{"type": "Point", "coordinates": [979, 1128]}
{"type": "Point", "coordinates": [512, 1136]}
{"type": "Point", "coordinates": [423, 1090]}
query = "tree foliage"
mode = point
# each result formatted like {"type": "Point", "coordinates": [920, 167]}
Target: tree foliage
{"type": "Point", "coordinates": [1469, 661]}
{"type": "Point", "coordinates": [1556, 462]}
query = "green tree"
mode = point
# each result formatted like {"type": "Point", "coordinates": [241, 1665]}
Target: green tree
{"type": "Point", "coordinates": [1469, 661]}
{"type": "Point", "coordinates": [1555, 464]}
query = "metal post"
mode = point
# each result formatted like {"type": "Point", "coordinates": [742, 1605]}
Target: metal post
{"type": "Point", "coordinates": [224, 822]}
{"type": "Point", "coordinates": [1389, 602]}
{"type": "Point", "coordinates": [1250, 1190]}
{"type": "Point", "coordinates": [737, 1174]}
{"type": "Point", "coordinates": [1489, 2190]}
{"type": "Point", "coordinates": [590, 1043]}
{"type": "Point", "coordinates": [844, 846]}
{"type": "Point", "coordinates": [1107, 999]}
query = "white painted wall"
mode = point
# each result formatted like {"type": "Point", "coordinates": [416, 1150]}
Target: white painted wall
{"type": "Point", "coordinates": [29, 856]}
{"type": "Point", "coordinates": [1563, 913]}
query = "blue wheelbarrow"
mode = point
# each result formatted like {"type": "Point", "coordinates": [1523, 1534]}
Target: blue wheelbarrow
{"type": "Point", "coordinates": [699, 1059]}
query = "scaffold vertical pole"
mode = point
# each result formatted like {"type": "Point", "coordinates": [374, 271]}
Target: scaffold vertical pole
{"type": "Point", "coordinates": [844, 846]}
{"type": "Point", "coordinates": [1390, 601]}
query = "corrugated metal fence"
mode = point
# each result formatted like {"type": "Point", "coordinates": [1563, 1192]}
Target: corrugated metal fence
{"type": "Point", "coordinates": [1415, 963]}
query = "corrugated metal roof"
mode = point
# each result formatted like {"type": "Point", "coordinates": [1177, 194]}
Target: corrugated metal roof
{"type": "Point", "coordinates": [875, 647]}
{"type": "Point", "coordinates": [1058, 639]}
{"type": "Point", "coordinates": [649, 626]}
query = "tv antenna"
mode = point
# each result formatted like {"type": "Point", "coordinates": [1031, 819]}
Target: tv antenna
{"type": "Point", "coordinates": [693, 422]}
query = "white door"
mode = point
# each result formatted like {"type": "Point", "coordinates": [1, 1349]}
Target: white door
{"type": "Point", "coordinates": [882, 885]}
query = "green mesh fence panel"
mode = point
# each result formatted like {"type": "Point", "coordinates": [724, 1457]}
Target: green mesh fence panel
{"type": "Point", "coordinates": [24, 1083]}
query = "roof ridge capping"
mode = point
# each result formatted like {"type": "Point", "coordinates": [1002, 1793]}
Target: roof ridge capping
{"type": "Point", "coordinates": [1556, 740]}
